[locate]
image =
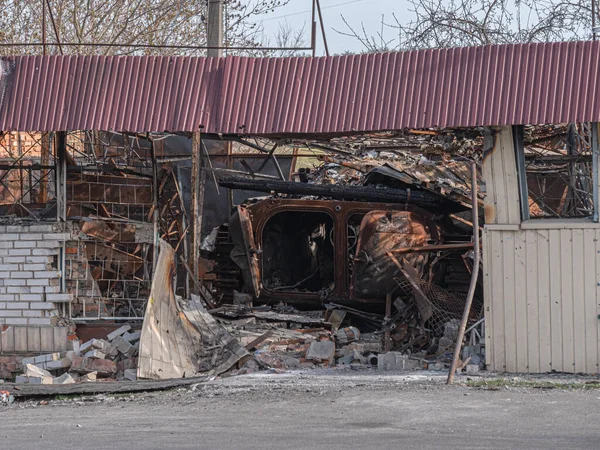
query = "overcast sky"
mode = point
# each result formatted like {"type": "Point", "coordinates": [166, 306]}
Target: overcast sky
{"type": "Point", "coordinates": [297, 14]}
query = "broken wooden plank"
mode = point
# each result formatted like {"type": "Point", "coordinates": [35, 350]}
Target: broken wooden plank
{"type": "Point", "coordinates": [259, 340]}
{"type": "Point", "coordinates": [98, 387]}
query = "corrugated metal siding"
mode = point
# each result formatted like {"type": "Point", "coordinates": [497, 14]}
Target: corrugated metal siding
{"type": "Point", "coordinates": [502, 201]}
{"type": "Point", "coordinates": [461, 87]}
{"type": "Point", "coordinates": [542, 300]}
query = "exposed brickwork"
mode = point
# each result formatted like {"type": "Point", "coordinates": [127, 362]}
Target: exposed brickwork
{"type": "Point", "coordinates": [30, 273]}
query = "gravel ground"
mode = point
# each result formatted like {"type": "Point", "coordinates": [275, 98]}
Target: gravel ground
{"type": "Point", "coordinates": [320, 409]}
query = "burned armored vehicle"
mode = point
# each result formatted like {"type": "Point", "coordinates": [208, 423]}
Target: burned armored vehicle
{"type": "Point", "coordinates": [309, 245]}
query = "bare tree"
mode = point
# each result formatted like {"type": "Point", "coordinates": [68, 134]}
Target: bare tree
{"type": "Point", "coordinates": [127, 22]}
{"type": "Point", "coordinates": [456, 23]}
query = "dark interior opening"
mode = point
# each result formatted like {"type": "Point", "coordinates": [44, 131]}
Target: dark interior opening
{"type": "Point", "coordinates": [298, 252]}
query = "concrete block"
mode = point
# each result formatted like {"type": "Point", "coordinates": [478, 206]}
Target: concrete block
{"type": "Point", "coordinates": [24, 274]}
{"type": "Point", "coordinates": [48, 244]}
{"type": "Point", "coordinates": [35, 371]}
{"type": "Point", "coordinates": [86, 346]}
{"type": "Point", "coordinates": [47, 274]}
{"type": "Point", "coordinates": [17, 290]}
{"type": "Point", "coordinates": [118, 332]}
{"type": "Point", "coordinates": [23, 244]}
{"type": "Point", "coordinates": [40, 228]}
{"type": "Point", "coordinates": [41, 305]}
{"type": "Point", "coordinates": [132, 337]}
{"type": "Point", "coordinates": [92, 376]}
{"type": "Point", "coordinates": [32, 297]}
{"type": "Point", "coordinates": [44, 251]}
{"type": "Point", "coordinates": [74, 346]}
{"type": "Point", "coordinates": [8, 237]}
{"type": "Point", "coordinates": [20, 252]}
{"type": "Point", "coordinates": [14, 282]}
{"type": "Point", "coordinates": [8, 267]}
{"type": "Point", "coordinates": [38, 282]}
{"type": "Point", "coordinates": [22, 379]}
{"type": "Point", "coordinates": [15, 321]}
{"type": "Point", "coordinates": [130, 374]}
{"type": "Point", "coordinates": [17, 305]}
{"type": "Point", "coordinates": [472, 368]}
{"type": "Point", "coordinates": [102, 366]}
{"type": "Point", "coordinates": [437, 366]}
{"type": "Point", "coordinates": [40, 322]}
{"type": "Point", "coordinates": [39, 266]}
{"type": "Point", "coordinates": [46, 357]}
{"type": "Point", "coordinates": [8, 313]}
{"type": "Point", "coordinates": [63, 363]}
{"type": "Point", "coordinates": [95, 354]}
{"type": "Point", "coordinates": [123, 346]}
{"type": "Point", "coordinates": [323, 350]}
{"type": "Point", "coordinates": [59, 298]}
{"type": "Point", "coordinates": [65, 378]}
{"type": "Point", "coordinates": [30, 237]}
{"type": "Point", "coordinates": [129, 363]}
{"type": "Point", "coordinates": [396, 361]}
{"type": "Point", "coordinates": [13, 259]}
{"type": "Point", "coordinates": [32, 313]}
{"type": "Point", "coordinates": [7, 297]}
{"type": "Point", "coordinates": [6, 244]}
{"type": "Point", "coordinates": [57, 236]}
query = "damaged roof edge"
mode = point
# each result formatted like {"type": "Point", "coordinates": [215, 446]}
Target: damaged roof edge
{"type": "Point", "coordinates": [456, 87]}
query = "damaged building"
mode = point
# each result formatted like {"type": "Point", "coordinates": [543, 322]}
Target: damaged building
{"type": "Point", "coordinates": [299, 208]}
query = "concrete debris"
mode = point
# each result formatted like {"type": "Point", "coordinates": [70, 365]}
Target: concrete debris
{"type": "Point", "coordinates": [101, 366]}
{"type": "Point", "coordinates": [132, 337]}
{"type": "Point", "coordinates": [396, 361]}
{"type": "Point", "coordinates": [323, 350]}
{"type": "Point", "coordinates": [101, 358]}
{"type": "Point", "coordinates": [92, 376]}
{"type": "Point", "coordinates": [347, 335]}
{"type": "Point", "coordinates": [130, 374]}
{"type": "Point", "coordinates": [118, 332]}
{"type": "Point", "coordinates": [22, 379]}
{"type": "Point", "coordinates": [95, 354]}
{"type": "Point", "coordinates": [35, 371]}
{"type": "Point", "coordinates": [65, 378]}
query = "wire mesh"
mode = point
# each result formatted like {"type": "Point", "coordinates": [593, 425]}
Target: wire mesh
{"type": "Point", "coordinates": [439, 311]}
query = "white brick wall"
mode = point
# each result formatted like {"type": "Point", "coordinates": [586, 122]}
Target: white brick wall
{"type": "Point", "coordinates": [29, 277]}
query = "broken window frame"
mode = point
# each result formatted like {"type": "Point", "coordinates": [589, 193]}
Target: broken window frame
{"type": "Point", "coordinates": [524, 194]}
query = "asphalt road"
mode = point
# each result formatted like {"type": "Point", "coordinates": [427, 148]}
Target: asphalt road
{"type": "Point", "coordinates": [312, 412]}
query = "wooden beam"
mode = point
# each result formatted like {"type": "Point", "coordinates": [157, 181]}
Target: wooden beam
{"type": "Point", "coordinates": [198, 181]}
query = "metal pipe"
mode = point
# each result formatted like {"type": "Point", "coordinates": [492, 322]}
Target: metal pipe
{"type": "Point", "coordinates": [54, 27]}
{"type": "Point", "coordinates": [43, 27]}
{"type": "Point", "coordinates": [358, 193]}
{"type": "Point", "coordinates": [474, 275]}
{"type": "Point", "coordinates": [322, 28]}
{"type": "Point", "coordinates": [433, 248]}
{"type": "Point", "coordinates": [593, 20]}
{"type": "Point", "coordinates": [313, 31]}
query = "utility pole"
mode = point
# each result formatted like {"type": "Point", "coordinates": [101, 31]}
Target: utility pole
{"type": "Point", "coordinates": [43, 27]}
{"type": "Point", "coordinates": [215, 28]}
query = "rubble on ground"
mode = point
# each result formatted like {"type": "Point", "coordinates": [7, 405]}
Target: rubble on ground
{"type": "Point", "coordinates": [109, 359]}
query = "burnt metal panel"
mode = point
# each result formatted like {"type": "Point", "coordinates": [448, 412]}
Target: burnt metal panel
{"type": "Point", "coordinates": [457, 87]}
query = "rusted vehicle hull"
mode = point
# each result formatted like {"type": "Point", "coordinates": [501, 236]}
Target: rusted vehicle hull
{"type": "Point", "coordinates": [310, 252]}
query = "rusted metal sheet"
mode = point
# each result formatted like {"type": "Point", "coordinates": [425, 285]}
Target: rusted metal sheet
{"type": "Point", "coordinates": [457, 87]}
{"type": "Point", "coordinates": [381, 232]}
{"type": "Point", "coordinates": [251, 250]}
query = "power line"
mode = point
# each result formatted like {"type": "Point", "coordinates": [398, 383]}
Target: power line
{"type": "Point", "coordinates": [308, 11]}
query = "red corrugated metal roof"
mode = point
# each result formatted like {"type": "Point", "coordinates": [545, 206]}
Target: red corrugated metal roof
{"type": "Point", "coordinates": [460, 87]}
